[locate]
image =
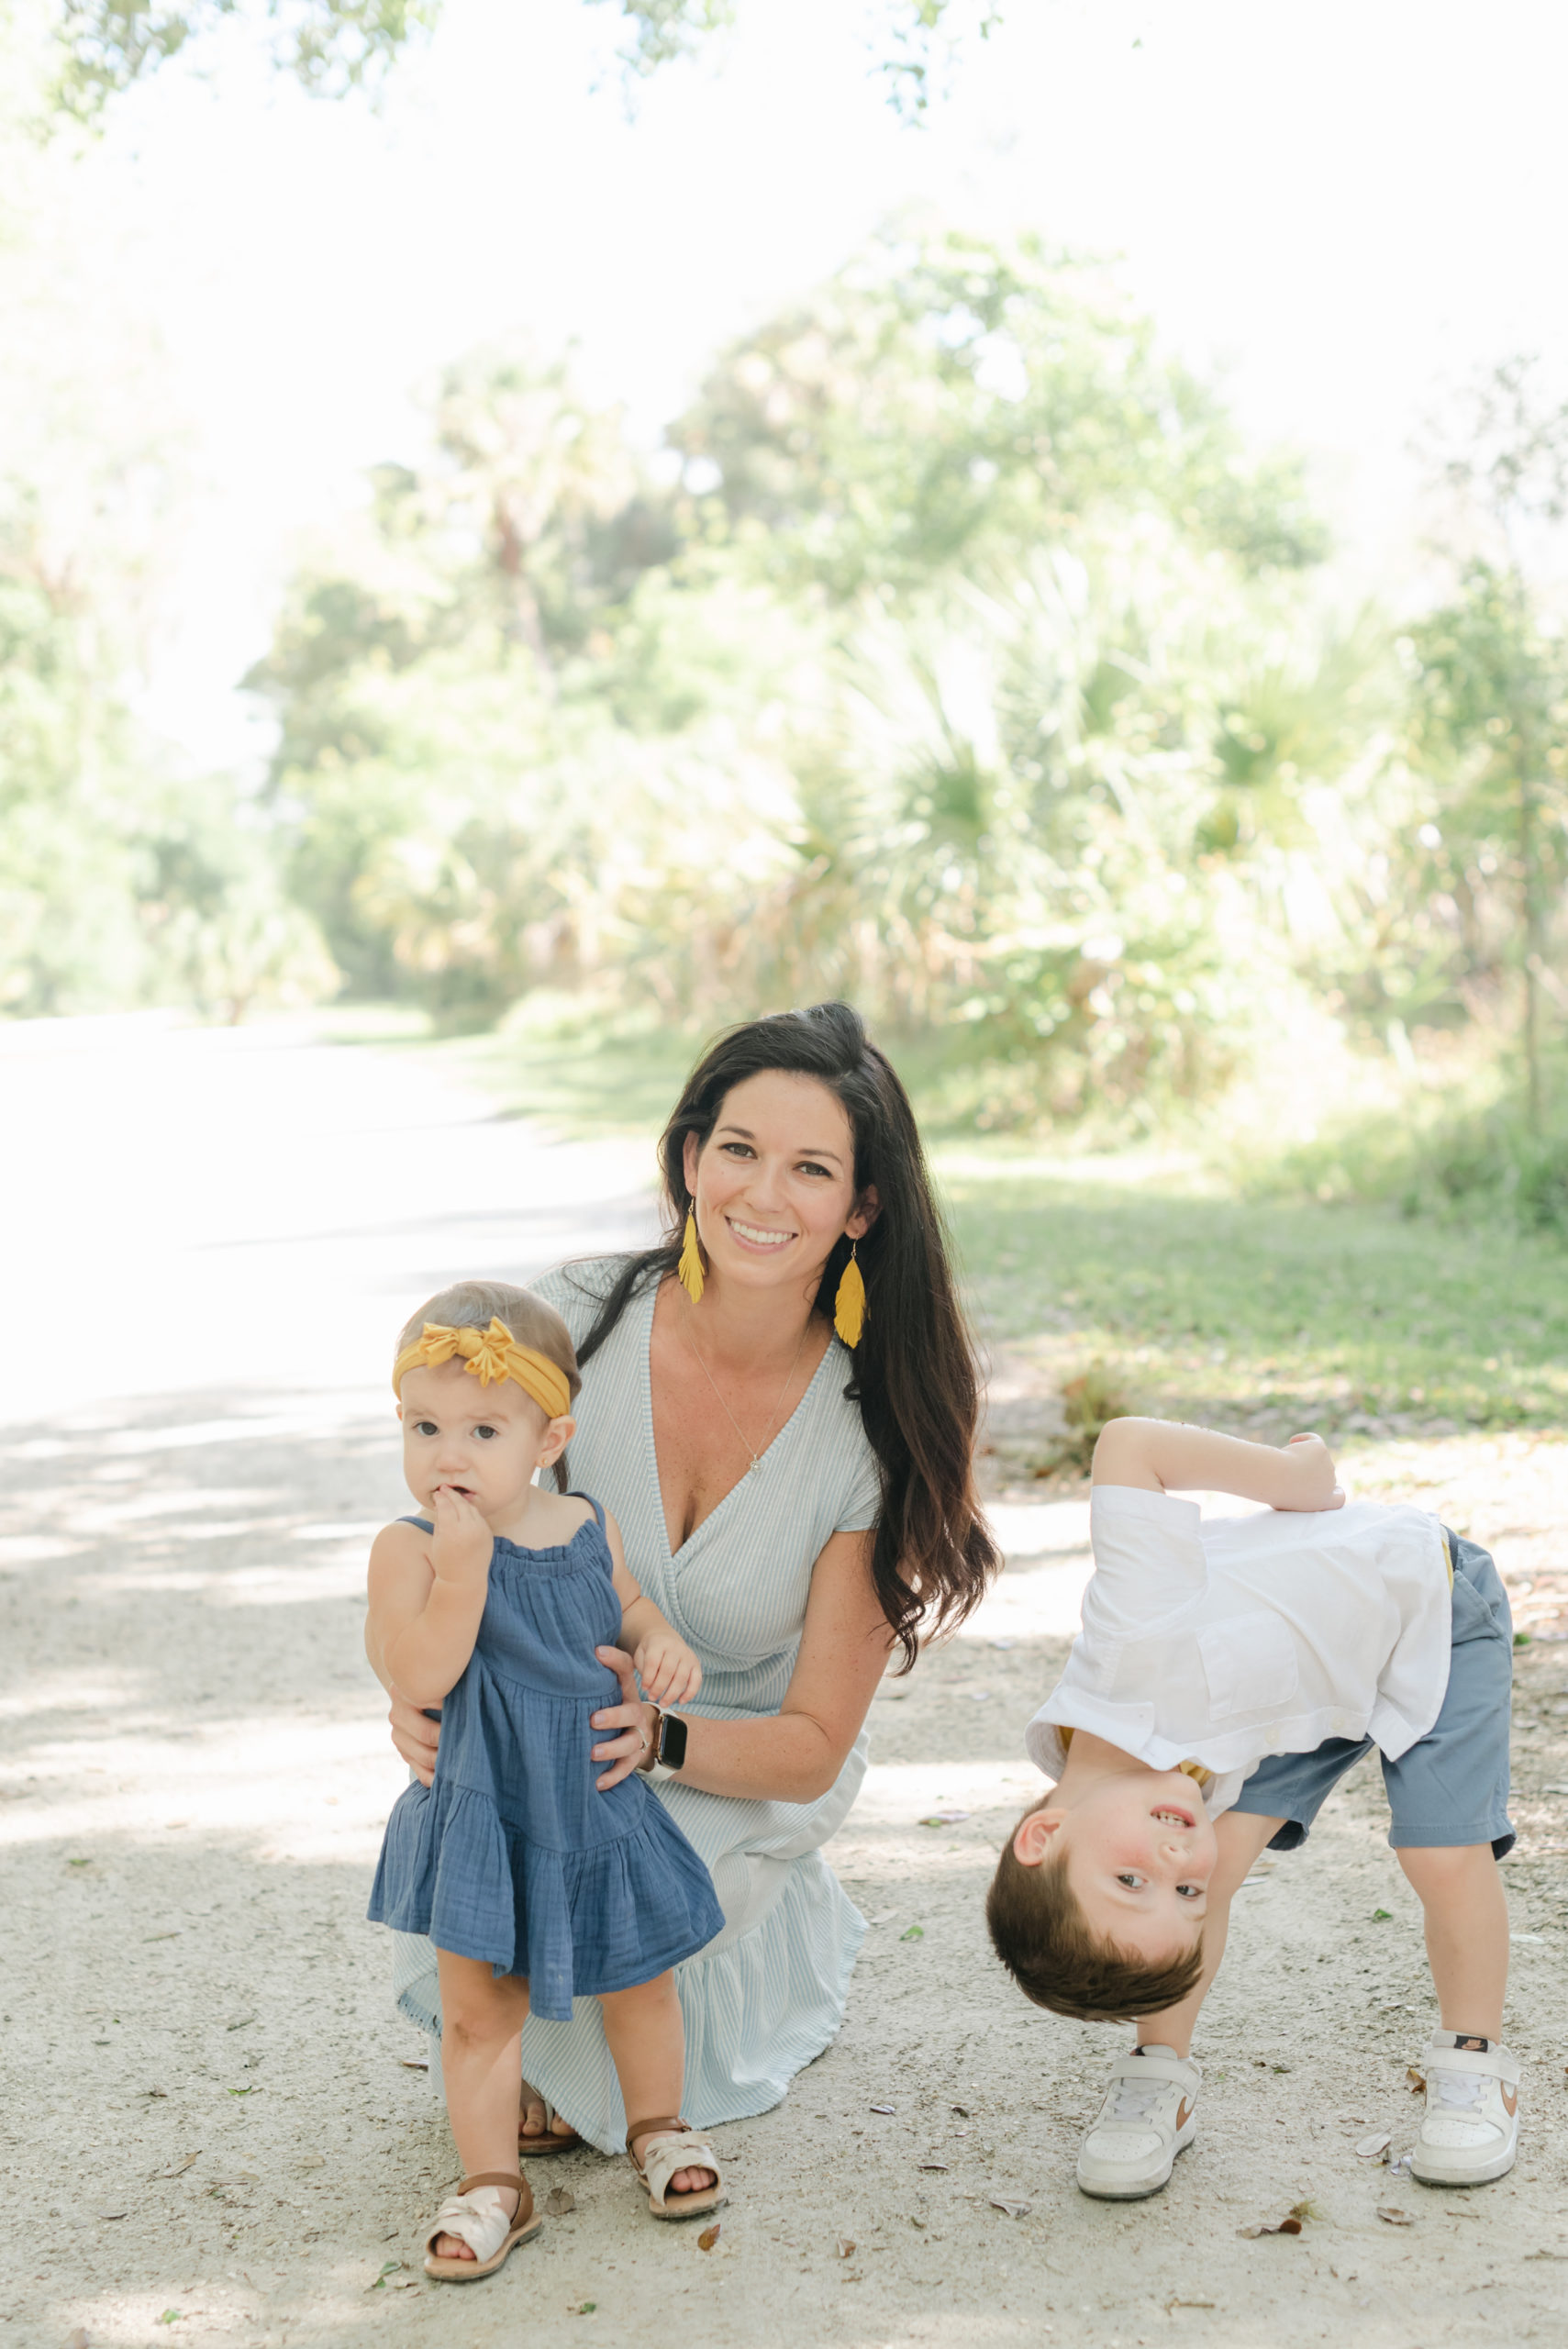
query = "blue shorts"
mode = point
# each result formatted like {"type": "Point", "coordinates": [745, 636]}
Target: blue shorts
{"type": "Point", "coordinates": [1451, 1787]}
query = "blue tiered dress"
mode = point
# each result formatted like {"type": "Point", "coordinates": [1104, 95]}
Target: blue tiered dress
{"type": "Point", "coordinates": [513, 1856]}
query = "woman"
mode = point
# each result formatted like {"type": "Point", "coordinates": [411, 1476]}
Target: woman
{"type": "Point", "coordinates": [795, 1508]}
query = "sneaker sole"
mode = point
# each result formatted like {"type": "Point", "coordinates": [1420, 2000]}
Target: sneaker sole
{"type": "Point", "coordinates": [1487, 2177]}
{"type": "Point", "coordinates": [1141, 2193]}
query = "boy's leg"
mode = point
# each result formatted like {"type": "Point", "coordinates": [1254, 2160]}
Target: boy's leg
{"type": "Point", "coordinates": [1149, 2110]}
{"type": "Point", "coordinates": [1449, 1796]}
{"type": "Point", "coordinates": [482, 2026]}
{"type": "Point", "coordinates": [1466, 1915]}
{"type": "Point", "coordinates": [1470, 2128]}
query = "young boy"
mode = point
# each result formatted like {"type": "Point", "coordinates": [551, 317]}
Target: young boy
{"type": "Point", "coordinates": [1227, 1674]}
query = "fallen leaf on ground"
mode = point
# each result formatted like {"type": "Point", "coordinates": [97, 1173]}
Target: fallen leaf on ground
{"type": "Point", "coordinates": [391, 2268]}
{"type": "Point", "coordinates": [1382, 1915]}
{"type": "Point", "coordinates": [179, 2170]}
{"type": "Point", "coordinates": [559, 2200]}
{"type": "Point", "coordinates": [846, 2250]}
{"type": "Point", "coordinates": [1418, 2080]}
{"type": "Point", "coordinates": [961, 2111]}
{"type": "Point", "coordinates": [1013, 2210]}
{"type": "Point", "coordinates": [944, 1819]}
{"type": "Point", "coordinates": [883, 2107]}
{"type": "Point", "coordinates": [170, 2316]}
{"type": "Point", "coordinates": [415, 2063]}
{"type": "Point", "coordinates": [1285, 2227]}
{"type": "Point", "coordinates": [244, 2023]}
{"type": "Point", "coordinates": [913, 1933]}
{"type": "Point", "coordinates": [1391, 2217]}
{"type": "Point", "coordinates": [941, 2165]}
{"type": "Point", "coordinates": [1305, 2211]}
{"type": "Point", "coordinates": [581, 2307]}
{"type": "Point", "coordinates": [917, 2222]}
{"type": "Point", "coordinates": [1375, 2148]}
{"type": "Point", "coordinates": [709, 2236]}
{"type": "Point", "coordinates": [111, 2214]}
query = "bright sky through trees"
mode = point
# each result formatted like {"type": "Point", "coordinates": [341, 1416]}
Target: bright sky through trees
{"type": "Point", "coordinates": [1344, 206]}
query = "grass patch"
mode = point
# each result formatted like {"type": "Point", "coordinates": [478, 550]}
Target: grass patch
{"type": "Point", "coordinates": [1227, 1309]}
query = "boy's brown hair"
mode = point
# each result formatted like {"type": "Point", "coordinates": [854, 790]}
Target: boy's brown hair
{"type": "Point", "coordinates": [1048, 1945]}
{"type": "Point", "coordinates": [473, 1305]}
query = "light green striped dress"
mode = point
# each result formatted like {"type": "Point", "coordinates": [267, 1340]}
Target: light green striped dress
{"type": "Point", "coordinates": [768, 1994]}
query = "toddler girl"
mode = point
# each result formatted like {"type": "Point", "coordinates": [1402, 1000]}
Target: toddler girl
{"type": "Point", "coordinates": [536, 1882]}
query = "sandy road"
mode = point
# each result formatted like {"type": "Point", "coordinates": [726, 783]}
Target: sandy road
{"type": "Point", "coordinates": [207, 2126]}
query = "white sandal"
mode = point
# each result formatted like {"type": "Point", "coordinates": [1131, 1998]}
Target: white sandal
{"type": "Point", "coordinates": [476, 2214]}
{"type": "Point", "coordinates": [674, 2146]}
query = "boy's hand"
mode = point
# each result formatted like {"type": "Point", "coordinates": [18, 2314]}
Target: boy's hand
{"type": "Point", "coordinates": [461, 1547]}
{"type": "Point", "coordinates": [1312, 1464]}
{"type": "Point", "coordinates": [668, 1670]}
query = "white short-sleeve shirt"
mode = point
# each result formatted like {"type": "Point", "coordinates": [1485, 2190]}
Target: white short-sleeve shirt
{"type": "Point", "coordinates": [1220, 1643]}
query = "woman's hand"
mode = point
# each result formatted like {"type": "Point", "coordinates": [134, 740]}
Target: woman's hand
{"type": "Point", "coordinates": [416, 1737]}
{"type": "Point", "coordinates": [631, 1722]}
{"type": "Point", "coordinates": [668, 1670]}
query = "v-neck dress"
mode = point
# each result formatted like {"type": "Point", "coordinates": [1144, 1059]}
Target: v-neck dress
{"type": "Point", "coordinates": [767, 1995]}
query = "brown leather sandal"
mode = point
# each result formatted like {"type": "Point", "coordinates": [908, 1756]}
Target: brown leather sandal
{"type": "Point", "coordinates": [558, 2136]}
{"type": "Point", "coordinates": [674, 2146]}
{"type": "Point", "coordinates": [489, 2234]}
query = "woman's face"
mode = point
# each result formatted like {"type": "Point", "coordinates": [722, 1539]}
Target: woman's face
{"type": "Point", "coordinates": [774, 1181]}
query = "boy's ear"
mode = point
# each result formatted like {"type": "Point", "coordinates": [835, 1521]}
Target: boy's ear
{"type": "Point", "coordinates": [1034, 1835]}
{"type": "Point", "coordinates": [400, 1410]}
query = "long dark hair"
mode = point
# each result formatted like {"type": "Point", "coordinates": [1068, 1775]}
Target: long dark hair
{"type": "Point", "coordinates": [915, 1373]}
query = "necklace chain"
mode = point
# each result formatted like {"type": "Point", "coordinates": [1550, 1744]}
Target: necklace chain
{"type": "Point", "coordinates": [768, 1430]}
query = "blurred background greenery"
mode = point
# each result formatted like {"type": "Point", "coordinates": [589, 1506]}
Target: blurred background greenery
{"type": "Point", "coordinates": [956, 652]}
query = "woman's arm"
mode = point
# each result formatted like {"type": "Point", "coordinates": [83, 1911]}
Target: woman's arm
{"type": "Point", "coordinates": [1160, 1455]}
{"type": "Point", "coordinates": [795, 1755]}
{"type": "Point", "coordinates": [427, 1595]}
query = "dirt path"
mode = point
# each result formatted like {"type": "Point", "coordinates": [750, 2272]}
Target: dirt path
{"type": "Point", "coordinates": [207, 2122]}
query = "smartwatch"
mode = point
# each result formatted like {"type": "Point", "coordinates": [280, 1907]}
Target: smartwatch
{"type": "Point", "coordinates": [668, 1744]}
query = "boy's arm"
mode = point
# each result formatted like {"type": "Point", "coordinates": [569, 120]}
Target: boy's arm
{"type": "Point", "coordinates": [1160, 1455]}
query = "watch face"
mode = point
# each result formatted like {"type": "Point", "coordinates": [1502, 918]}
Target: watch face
{"type": "Point", "coordinates": [673, 1741]}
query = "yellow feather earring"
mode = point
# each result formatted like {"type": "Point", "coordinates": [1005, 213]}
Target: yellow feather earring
{"type": "Point", "coordinates": [689, 1270]}
{"type": "Point", "coordinates": [850, 1305]}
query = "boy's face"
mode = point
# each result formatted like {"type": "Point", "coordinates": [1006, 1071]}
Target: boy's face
{"type": "Point", "coordinates": [483, 1441]}
{"type": "Point", "coordinates": [1138, 1853]}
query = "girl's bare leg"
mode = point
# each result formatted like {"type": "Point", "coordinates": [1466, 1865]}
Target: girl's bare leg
{"type": "Point", "coordinates": [1460, 1892]}
{"type": "Point", "coordinates": [482, 2025]}
{"type": "Point", "coordinates": [647, 2042]}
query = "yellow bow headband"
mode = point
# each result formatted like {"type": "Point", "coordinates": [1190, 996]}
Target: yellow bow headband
{"type": "Point", "coordinates": [490, 1355]}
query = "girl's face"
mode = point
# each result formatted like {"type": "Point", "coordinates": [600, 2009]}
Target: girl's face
{"type": "Point", "coordinates": [484, 1442]}
{"type": "Point", "coordinates": [775, 1183]}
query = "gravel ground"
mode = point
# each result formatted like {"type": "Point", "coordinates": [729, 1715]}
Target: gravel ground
{"type": "Point", "coordinates": [210, 2120]}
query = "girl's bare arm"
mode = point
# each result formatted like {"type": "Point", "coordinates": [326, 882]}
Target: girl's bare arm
{"type": "Point", "coordinates": [1161, 1455]}
{"type": "Point", "coordinates": [795, 1755]}
{"type": "Point", "coordinates": [427, 1595]}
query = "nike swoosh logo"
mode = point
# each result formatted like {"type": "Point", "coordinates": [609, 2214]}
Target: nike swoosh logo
{"type": "Point", "coordinates": [1183, 2115]}
{"type": "Point", "coordinates": [1510, 2101]}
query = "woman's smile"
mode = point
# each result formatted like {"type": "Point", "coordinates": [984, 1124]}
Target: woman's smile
{"type": "Point", "coordinates": [754, 1235]}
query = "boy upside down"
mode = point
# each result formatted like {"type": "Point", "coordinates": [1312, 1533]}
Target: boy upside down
{"type": "Point", "coordinates": [1226, 1676]}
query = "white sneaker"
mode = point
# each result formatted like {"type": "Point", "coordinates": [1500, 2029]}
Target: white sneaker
{"type": "Point", "coordinates": [1470, 2132]}
{"type": "Point", "coordinates": [1149, 2115]}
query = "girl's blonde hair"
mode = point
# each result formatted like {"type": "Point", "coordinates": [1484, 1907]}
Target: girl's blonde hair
{"type": "Point", "coordinates": [472, 1305]}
